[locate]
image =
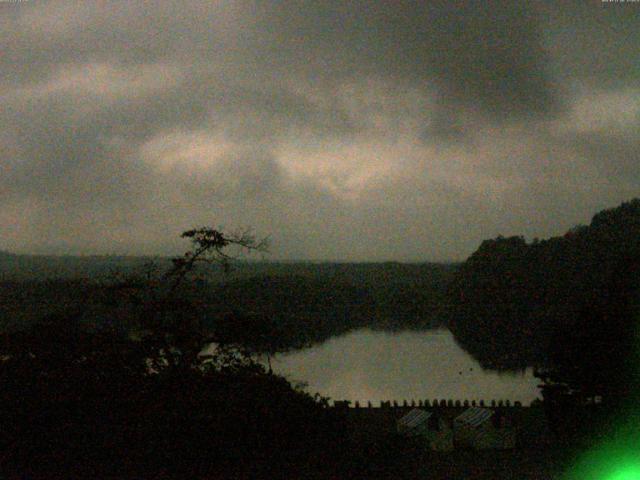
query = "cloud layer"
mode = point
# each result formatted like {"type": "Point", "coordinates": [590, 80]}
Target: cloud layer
{"type": "Point", "coordinates": [344, 130]}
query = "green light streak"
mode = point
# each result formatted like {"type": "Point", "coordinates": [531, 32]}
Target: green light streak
{"type": "Point", "coordinates": [616, 455]}
{"type": "Point", "coordinates": [631, 472]}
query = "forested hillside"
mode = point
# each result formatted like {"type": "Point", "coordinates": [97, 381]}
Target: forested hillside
{"type": "Point", "coordinates": [567, 304]}
{"type": "Point", "coordinates": [303, 303]}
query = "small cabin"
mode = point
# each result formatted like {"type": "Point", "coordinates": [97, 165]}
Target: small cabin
{"type": "Point", "coordinates": [428, 428]}
{"type": "Point", "coordinates": [481, 428]}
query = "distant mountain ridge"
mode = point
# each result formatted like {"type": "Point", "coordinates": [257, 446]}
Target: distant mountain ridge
{"type": "Point", "coordinates": [25, 266]}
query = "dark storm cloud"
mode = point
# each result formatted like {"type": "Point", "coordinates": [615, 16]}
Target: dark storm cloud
{"type": "Point", "coordinates": [594, 43]}
{"type": "Point", "coordinates": [485, 55]}
{"type": "Point", "coordinates": [385, 130]}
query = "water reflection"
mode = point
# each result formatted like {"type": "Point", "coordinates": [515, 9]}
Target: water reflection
{"type": "Point", "coordinates": [366, 365]}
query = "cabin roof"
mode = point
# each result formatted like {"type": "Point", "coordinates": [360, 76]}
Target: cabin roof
{"type": "Point", "coordinates": [473, 416]}
{"type": "Point", "coordinates": [414, 418]}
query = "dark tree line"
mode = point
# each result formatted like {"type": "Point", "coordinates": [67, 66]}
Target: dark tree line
{"type": "Point", "coordinates": [304, 303]}
{"type": "Point", "coordinates": [567, 305]}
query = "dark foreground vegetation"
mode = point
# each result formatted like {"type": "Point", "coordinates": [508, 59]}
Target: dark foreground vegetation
{"type": "Point", "coordinates": [136, 397]}
{"type": "Point", "coordinates": [82, 404]}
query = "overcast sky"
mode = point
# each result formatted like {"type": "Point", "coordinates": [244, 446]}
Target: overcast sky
{"type": "Point", "coordinates": [344, 130]}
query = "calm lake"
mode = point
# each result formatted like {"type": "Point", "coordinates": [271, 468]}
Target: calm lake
{"type": "Point", "coordinates": [372, 366]}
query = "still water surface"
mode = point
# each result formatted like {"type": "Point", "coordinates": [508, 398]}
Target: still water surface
{"type": "Point", "coordinates": [374, 366]}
